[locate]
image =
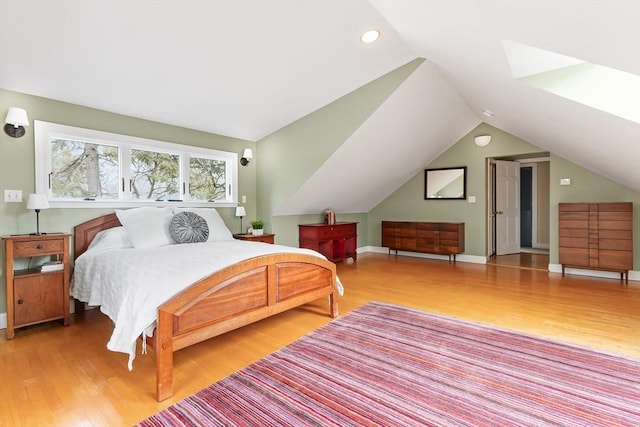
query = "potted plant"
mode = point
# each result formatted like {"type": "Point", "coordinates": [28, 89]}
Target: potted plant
{"type": "Point", "coordinates": [258, 227]}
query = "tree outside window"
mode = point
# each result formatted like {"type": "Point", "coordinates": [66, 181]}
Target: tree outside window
{"type": "Point", "coordinates": [84, 170]}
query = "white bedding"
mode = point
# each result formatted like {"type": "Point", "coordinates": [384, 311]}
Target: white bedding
{"type": "Point", "coordinates": [130, 284]}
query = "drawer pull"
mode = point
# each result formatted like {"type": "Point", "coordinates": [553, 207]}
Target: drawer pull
{"type": "Point", "coordinates": [20, 301]}
{"type": "Point", "coordinates": [40, 246]}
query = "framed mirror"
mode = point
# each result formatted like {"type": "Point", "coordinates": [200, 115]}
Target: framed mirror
{"type": "Point", "coordinates": [445, 183]}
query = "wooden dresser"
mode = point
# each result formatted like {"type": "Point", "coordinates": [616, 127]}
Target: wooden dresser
{"type": "Point", "coordinates": [441, 238]}
{"type": "Point", "coordinates": [335, 241]}
{"type": "Point", "coordinates": [596, 236]}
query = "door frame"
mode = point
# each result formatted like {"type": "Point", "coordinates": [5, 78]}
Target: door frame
{"type": "Point", "coordinates": [490, 182]}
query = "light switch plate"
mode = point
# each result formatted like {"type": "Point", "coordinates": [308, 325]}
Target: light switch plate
{"type": "Point", "coordinates": [13, 196]}
{"type": "Point", "coordinates": [565, 181]}
{"type": "Point", "coordinates": [472, 199]}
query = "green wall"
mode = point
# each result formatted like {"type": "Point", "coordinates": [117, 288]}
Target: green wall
{"type": "Point", "coordinates": [291, 155]}
{"type": "Point", "coordinates": [17, 170]}
{"type": "Point", "coordinates": [407, 203]}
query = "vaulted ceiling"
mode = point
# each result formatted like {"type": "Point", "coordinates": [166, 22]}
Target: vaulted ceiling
{"type": "Point", "coordinates": [248, 68]}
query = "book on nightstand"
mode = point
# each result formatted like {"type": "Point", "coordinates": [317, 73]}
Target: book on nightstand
{"type": "Point", "coordinates": [52, 266]}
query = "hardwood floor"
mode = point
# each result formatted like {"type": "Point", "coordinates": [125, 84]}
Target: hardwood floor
{"type": "Point", "coordinates": [528, 260]}
{"type": "Point", "coordinates": [56, 376]}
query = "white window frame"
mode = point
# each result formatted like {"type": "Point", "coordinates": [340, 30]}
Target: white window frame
{"type": "Point", "coordinates": [45, 131]}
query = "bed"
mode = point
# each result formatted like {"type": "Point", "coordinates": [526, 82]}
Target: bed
{"type": "Point", "coordinates": [268, 280]}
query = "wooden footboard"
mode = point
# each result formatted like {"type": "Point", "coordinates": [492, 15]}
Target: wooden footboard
{"type": "Point", "coordinates": [236, 296]}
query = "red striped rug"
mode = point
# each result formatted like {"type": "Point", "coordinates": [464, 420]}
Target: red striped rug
{"type": "Point", "coordinates": [386, 365]}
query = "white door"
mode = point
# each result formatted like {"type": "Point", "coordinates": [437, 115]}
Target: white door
{"type": "Point", "coordinates": [507, 207]}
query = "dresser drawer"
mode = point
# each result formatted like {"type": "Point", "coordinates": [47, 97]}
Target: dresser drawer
{"type": "Point", "coordinates": [343, 230]}
{"type": "Point", "coordinates": [36, 248]}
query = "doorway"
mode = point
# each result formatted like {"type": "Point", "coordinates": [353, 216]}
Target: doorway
{"type": "Point", "coordinates": [518, 211]}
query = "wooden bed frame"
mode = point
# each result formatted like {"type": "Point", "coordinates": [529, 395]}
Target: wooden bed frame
{"type": "Point", "coordinates": [236, 296]}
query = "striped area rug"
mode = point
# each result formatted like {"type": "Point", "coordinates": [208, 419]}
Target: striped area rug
{"type": "Point", "coordinates": [385, 365]}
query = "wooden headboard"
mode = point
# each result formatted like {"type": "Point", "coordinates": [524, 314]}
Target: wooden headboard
{"type": "Point", "coordinates": [85, 232]}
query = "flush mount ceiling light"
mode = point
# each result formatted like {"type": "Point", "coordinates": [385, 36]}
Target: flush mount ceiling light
{"type": "Point", "coordinates": [370, 36]}
{"type": "Point", "coordinates": [482, 140]}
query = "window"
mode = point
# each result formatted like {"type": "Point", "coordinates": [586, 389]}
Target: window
{"type": "Point", "coordinates": [597, 86]}
{"type": "Point", "coordinates": [78, 167]}
{"type": "Point", "coordinates": [154, 175]}
{"type": "Point", "coordinates": [82, 170]}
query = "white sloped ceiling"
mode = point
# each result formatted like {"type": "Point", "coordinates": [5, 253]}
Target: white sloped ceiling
{"type": "Point", "coordinates": [419, 121]}
{"type": "Point", "coordinates": [248, 68]}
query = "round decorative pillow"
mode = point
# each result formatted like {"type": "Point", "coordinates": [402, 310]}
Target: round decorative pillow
{"type": "Point", "coordinates": [188, 227]}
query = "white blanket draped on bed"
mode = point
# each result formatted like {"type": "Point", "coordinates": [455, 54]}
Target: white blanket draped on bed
{"type": "Point", "coordinates": [130, 284]}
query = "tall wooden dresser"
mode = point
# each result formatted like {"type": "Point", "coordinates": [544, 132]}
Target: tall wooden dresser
{"type": "Point", "coordinates": [596, 236]}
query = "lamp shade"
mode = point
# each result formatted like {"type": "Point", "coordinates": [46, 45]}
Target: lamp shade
{"type": "Point", "coordinates": [240, 211]}
{"type": "Point", "coordinates": [247, 153]}
{"type": "Point", "coordinates": [37, 201]}
{"type": "Point", "coordinates": [17, 117]}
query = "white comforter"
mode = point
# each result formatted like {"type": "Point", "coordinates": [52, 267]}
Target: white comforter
{"type": "Point", "coordinates": [130, 284]}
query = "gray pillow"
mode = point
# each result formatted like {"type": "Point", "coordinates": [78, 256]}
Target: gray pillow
{"type": "Point", "coordinates": [188, 227]}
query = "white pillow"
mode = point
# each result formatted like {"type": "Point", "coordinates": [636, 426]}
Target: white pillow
{"type": "Point", "coordinates": [218, 230]}
{"type": "Point", "coordinates": [113, 238]}
{"type": "Point", "coordinates": [148, 227]}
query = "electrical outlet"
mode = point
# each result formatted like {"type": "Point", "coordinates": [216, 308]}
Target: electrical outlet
{"type": "Point", "coordinates": [472, 199]}
{"type": "Point", "coordinates": [13, 196]}
{"type": "Point", "coordinates": [565, 181]}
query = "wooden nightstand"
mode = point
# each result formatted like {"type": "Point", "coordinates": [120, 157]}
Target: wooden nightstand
{"type": "Point", "coordinates": [266, 238]}
{"type": "Point", "coordinates": [35, 296]}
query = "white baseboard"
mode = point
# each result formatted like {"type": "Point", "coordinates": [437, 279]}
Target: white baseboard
{"type": "Point", "coordinates": [462, 257]}
{"type": "Point", "coordinates": [553, 268]}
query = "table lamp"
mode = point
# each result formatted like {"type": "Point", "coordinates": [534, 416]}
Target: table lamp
{"type": "Point", "coordinates": [37, 201]}
{"type": "Point", "coordinates": [240, 211]}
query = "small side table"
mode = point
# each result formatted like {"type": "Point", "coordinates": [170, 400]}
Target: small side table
{"type": "Point", "coordinates": [266, 238]}
{"type": "Point", "coordinates": [35, 295]}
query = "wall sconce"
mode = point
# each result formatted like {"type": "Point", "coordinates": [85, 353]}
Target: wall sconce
{"type": "Point", "coordinates": [246, 155]}
{"type": "Point", "coordinates": [37, 202]}
{"type": "Point", "coordinates": [15, 122]}
{"type": "Point", "coordinates": [240, 211]}
{"type": "Point", "coordinates": [482, 140]}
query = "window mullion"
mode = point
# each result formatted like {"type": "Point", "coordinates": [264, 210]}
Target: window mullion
{"type": "Point", "coordinates": [125, 172]}
{"type": "Point", "coordinates": [185, 174]}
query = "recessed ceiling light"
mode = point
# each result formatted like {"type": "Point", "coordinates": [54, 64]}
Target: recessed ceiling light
{"type": "Point", "coordinates": [487, 113]}
{"type": "Point", "coordinates": [370, 36]}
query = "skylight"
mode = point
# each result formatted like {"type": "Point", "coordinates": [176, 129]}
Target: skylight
{"type": "Point", "coordinates": [613, 91]}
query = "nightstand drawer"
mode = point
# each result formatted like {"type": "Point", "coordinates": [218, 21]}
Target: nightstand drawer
{"type": "Point", "coordinates": [39, 247]}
